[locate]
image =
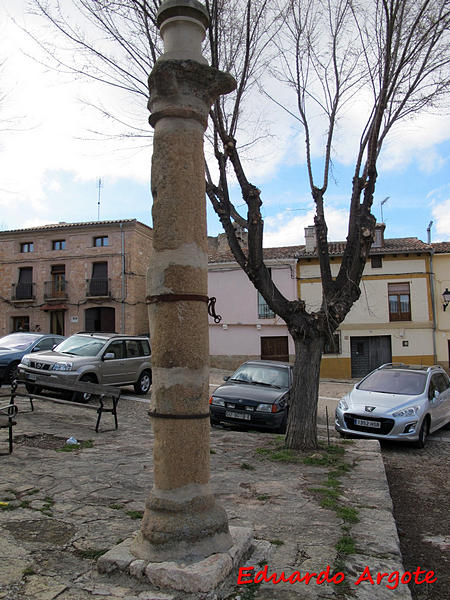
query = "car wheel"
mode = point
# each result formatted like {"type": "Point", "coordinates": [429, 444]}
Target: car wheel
{"type": "Point", "coordinates": [423, 434]}
{"type": "Point", "coordinates": [11, 372]}
{"type": "Point", "coordinates": [33, 389]}
{"type": "Point", "coordinates": [214, 422]}
{"type": "Point", "coordinates": [84, 397]}
{"type": "Point", "coordinates": [144, 382]}
{"type": "Point", "coordinates": [283, 425]}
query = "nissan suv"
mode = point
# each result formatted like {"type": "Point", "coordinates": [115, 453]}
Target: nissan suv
{"type": "Point", "coordinates": [105, 358]}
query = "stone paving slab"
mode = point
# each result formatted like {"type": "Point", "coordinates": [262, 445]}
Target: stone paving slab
{"type": "Point", "coordinates": [61, 511]}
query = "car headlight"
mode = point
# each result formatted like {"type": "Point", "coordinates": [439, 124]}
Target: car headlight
{"type": "Point", "coordinates": [217, 401]}
{"type": "Point", "coordinates": [264, 408]}
{"type": "Point", "coordinates": [342, 404]}
{"type": "Point", "coordinates": [62, 366]}
{"type": "Point", "coordinates": [410, 411]}
{"type": "Point", "coordinates": [25, 361]}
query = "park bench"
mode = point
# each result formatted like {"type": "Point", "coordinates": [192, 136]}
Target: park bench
{"type": "Point", "coordinates": [104, 398]}
{"type": "Point", "coordinates": [8, 413]}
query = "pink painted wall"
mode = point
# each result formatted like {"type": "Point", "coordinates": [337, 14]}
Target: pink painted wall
{"type": "Point", "coordinates": [240, 330]}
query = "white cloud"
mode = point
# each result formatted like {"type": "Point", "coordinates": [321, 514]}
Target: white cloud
{"type": "Point", "coordinates": [441, 216]}
{"type": "Point", "coordinates": [52, 131]}
{"type": "Point", "coordinates": [286, 230]}
{"type": "Point", "coordinates": [415, 141]}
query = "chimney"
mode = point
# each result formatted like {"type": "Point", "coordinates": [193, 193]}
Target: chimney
{"type": "Point", "coordinates": [241, 235]}
{"type": "Point", "coordinates": [310, 238]}
{"type": "Point", "coordinates": [378, 241]}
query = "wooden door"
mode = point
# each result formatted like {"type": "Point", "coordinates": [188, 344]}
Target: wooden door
{"type": "Point", "coordinates": [275, 348]}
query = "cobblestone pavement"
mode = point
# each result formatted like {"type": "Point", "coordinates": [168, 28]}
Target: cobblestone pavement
{"type": "Point", "coordinates": [61, 510]}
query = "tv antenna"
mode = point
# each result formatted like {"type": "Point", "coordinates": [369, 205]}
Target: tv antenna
{"type": "Point", "coordinates": [100, 185]}
{"type": "Point", "coordinates": [383, 202]}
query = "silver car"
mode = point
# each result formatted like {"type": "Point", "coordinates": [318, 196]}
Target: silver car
{"type": "Point", "coordinates": [396, 402]}
{"type": "Point", "coordinates": [106, 358]}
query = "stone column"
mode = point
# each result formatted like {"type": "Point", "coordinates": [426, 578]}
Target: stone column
{"type": "Point", "coordinates": [181, 518]}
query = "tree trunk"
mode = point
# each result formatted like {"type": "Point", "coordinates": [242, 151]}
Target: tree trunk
{"type": "Point", "coordinates": [301, 431]}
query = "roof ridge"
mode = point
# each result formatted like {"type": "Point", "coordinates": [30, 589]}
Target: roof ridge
{"type": "Point", "coordinates": [64, 224]}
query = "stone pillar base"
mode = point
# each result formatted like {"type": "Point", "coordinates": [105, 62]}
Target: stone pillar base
{"type": "Point", "coordinates": [202, 575]}
{"type": "Point", "coordinates": [181, 550]}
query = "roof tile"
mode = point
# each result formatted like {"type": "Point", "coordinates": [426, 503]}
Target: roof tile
{"type": "Point", "coordinates": [391, 246]}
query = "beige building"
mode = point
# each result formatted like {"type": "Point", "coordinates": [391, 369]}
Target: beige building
{"type": "Point", "coordinates": [393, 319]}
{"type": "Point", "coordinates": [441, 269]}
{"type": "Point", "coordinates": [69, 277]}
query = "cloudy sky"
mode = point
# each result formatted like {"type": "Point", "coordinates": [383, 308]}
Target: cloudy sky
{"type": "Point", "coordinates": [51, 160]}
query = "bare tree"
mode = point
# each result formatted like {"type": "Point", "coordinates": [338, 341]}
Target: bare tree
{"type": "Point", "coordinates": [395, 55]}
{"type": "Point", "coordinates": [112, 42]}
{"type": "Point", "coordinates": [392, 53]}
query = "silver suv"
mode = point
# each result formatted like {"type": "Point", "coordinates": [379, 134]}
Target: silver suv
{"type": "Point", "coordinates": [396, 402]}
{"type": "Point", "coordinates": [105, 358]}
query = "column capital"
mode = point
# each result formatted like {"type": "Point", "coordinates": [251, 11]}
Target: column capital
{"type": "Point", "coordinates": [185, 89]}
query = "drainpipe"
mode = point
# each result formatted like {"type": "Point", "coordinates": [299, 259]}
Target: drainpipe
{"type": "Point", "coordinates": [122, 236]}
{"type": "Point", "coordinates": [433, 303]}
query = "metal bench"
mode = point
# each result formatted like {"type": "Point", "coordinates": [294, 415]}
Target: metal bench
{"type": "Point", "coordinates": [101, 394]}
{"type": "Point", "coordinates": [8, 413]}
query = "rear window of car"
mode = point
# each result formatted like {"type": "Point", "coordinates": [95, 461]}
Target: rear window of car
{"type": "Point", "coordinates": [144, 348]}
{"type": "Point", "coordinates": [136, 348]}
{"type": "Point", "coordinates": [407, 383]}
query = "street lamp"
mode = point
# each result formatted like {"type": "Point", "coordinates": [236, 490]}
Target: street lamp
{"type": "Point", "coordinates": [446, 297]}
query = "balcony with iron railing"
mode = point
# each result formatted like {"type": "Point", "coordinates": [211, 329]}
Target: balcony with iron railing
{"type": "Point", "coordinates": [98, 288]}
{"type": "Point", "coordinates": [55, 290]}
{"type": "Point", "coordinates": [264, 312]}
{"type": "Point", "coordinates": [23, 292]}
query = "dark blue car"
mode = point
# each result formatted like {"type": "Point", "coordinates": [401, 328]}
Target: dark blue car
{"type": "Point", "coordinates": [256, 395]}
{"type": "Point", "coordinates": [14, 345]}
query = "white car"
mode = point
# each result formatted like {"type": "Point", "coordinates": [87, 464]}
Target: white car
{"type": "Point", "coordinates": [396, 402]}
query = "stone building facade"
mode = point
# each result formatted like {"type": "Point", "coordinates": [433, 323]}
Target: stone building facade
{"type": "Point", "coordinates": [67, 277]}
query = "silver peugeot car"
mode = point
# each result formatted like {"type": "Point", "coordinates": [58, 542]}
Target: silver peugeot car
{"type": "Point", "coordinates": [396, 402]}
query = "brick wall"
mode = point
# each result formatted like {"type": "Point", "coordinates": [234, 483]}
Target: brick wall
{"type": "Point", "coordinates": [77, 257]}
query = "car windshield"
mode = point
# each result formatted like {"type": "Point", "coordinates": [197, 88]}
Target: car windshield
{"type": "Point", "coordinates": [81, 345]}
{"type": "Point", "coordinates": [394, 382]}
{"type": "Point", "coordinates": [264, 375]}
{"type": "Point", "coordinates": [17, 341]}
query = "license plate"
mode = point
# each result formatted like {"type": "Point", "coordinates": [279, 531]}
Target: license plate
{"type": "Point", "coordinates": [364, 423]}
{"type": "Point", "coordinates": [238, 415]}
{"type": "Point", "coordinates": [30, 377]}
